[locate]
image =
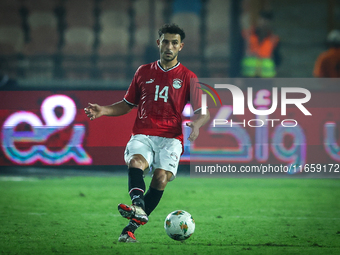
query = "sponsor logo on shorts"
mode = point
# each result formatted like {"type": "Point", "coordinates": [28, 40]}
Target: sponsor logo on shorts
{"type": "Point", "coordinates": [174, 156]}
{"type": "Point", "coordinates": [172, 165]}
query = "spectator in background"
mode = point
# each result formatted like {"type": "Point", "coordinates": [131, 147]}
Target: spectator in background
{"type": "Point", "coordinates": [261, 50]}
{"type": "Point", "coordinates": [327, 64]}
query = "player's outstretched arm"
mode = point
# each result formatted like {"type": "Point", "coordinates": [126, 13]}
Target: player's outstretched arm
{"type": "Point", "coordinates": [196, 124]}
{"type": "Point", "coordinates": [94, 111]}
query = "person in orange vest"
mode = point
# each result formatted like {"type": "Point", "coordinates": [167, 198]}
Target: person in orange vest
{"type": "Point", "coordinates": [327, 64]}
{"type": "Point", "coordinates": [261, 56]}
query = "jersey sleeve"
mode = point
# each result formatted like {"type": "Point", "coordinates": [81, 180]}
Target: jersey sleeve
{"type": "Point", "coordinates": [132, 95]}
{"type": "Point", "coordinates": [195, 93]}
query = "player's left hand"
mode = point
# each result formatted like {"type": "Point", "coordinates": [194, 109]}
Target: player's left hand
{"type": "Point", "coordinates": [194, 131]}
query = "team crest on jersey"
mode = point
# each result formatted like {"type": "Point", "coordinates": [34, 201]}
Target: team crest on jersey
{"type": "Point", "coordinates": [177, 83]}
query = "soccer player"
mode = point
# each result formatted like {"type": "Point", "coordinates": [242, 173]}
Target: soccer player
{"type": "Point", "coordinates": [160, 90]}
{"type": "Point", "coordinates": [327, 64]}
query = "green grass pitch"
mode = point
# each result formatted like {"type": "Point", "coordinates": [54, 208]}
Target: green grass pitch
{"type": "Point", "coordinates": [78, 215]}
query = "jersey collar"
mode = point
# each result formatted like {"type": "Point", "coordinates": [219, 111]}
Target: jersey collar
{"type": "Point", "coordinates": [159, 65]}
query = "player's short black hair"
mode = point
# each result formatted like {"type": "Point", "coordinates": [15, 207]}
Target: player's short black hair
{"type": "Point", "coordinates": [171, 29]}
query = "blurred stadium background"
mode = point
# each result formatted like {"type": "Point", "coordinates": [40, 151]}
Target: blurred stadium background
{"type": "Point", "coordinates": [87, 43]}
{"type": "Point", "coordinates": [72, 47]}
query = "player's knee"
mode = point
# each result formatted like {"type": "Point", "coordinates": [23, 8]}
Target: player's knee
{"type": "Point", "coordinates": [137, 162]}
{"type": "Point", "coordinates": [160, 179]}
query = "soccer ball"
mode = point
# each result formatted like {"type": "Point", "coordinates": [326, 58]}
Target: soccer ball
{"type": "Point", "coordinates": [179, 225]}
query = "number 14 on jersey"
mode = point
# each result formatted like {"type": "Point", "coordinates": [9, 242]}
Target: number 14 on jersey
{"type": "Point", "coordinates": [162, 94]}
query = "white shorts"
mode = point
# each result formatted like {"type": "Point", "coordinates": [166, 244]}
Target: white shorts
{"type": "Point", "coordinates": [159, 152]}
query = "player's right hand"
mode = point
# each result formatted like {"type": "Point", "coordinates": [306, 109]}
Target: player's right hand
{"type": "Point", "coordinates": [93, 111]}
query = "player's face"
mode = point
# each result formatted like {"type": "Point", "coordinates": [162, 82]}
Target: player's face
{"type": "Point", "coordinates": [169, 45]}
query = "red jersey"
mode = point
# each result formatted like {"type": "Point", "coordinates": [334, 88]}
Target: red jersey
{"type": "Point", "coordinates": [161, 96]}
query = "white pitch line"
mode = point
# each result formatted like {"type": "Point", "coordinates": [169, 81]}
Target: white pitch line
{"type": "Point", "coordinates": [38, 214]}
{"type": "Point", "coordinates": [17, 179]}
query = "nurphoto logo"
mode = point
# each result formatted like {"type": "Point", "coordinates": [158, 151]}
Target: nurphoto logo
{"type": "Point", "coordinates": [261, 98]}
